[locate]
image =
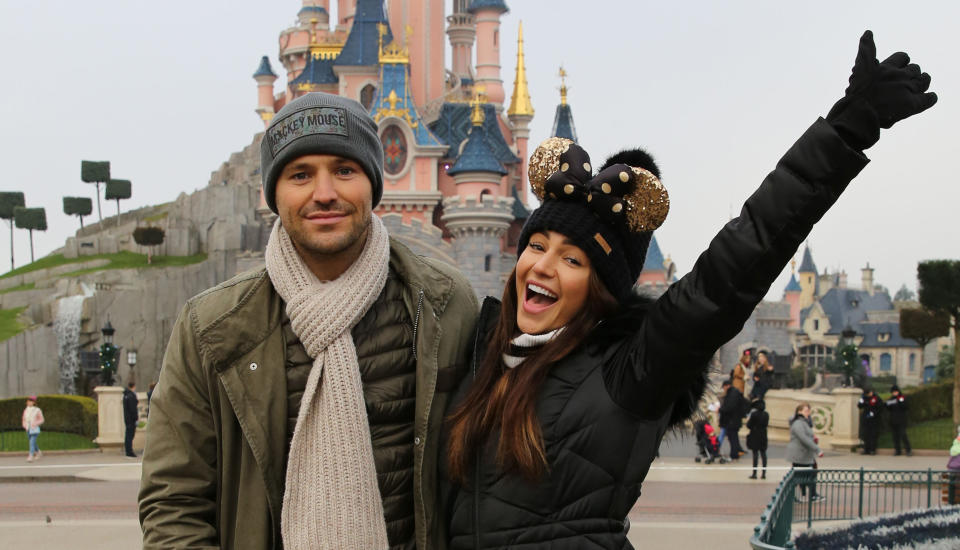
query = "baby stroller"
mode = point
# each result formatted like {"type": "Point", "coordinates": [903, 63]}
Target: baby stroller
{"type": "Point", "coordinates": [709, 448]}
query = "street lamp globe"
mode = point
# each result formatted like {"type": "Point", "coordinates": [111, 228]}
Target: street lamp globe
{"type": "Point", "coordinates": [132, 358]}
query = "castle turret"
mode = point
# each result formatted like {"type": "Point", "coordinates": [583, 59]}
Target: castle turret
{"type": "Point", "coordinates": [808, 279]}
{"type": "Point", "coordinates": [477, 216]}
{"type": "Point", "coordinates": [488, 14]}
{"type": "Point", "coordinates": [462, 31]}
{"type": "Point", "coordinates": [521, 111]}
{"type": "Point", "coordinates": [265, 79]}
{"type": "Point", "coordinates": [791, 295]}
{"type": "Point", "coordinates": [318, 10]}
{"type": "Point", "coordinates": [563, 121]}
{"type": "Point", "coordinates": [866, 277]}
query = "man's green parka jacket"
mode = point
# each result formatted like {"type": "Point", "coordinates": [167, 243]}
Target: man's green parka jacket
{"type": "Point", "coordinates": [214, 464]}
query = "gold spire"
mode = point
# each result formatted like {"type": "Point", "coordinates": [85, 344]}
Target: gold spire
{"type": "Point", "coordinates": [563, 86]}
{"type": "Point", "coordinates": [520, 102]}
{"type": "Point", "coordinates": [477, 102]}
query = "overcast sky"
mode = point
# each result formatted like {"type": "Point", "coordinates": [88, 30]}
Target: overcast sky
{"type": "Point", "coordinates": [717, 91]}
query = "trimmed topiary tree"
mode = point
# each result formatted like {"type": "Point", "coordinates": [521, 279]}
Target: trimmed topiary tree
{"type": "Point", "coordinates": [116, 190]}
{"type": "Point", "coordinates": [95, 172]}
{"type": "Point", "coordinates": [30, 219]}
{"type": "Point", "coordinates": [8, 201]}
{"type": "Point", "coordinates": [148, 237]}
{"type": "Point", "coordinates": [77, 206]}
{"type": "Point", "coordinates": [940, 291]}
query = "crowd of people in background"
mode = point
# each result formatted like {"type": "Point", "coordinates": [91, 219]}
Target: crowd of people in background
{"type": "Point", "coordinates": [737, 405]}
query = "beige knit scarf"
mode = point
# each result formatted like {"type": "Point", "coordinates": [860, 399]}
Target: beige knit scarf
{"type": "Point", "coordinates": [331, 498]}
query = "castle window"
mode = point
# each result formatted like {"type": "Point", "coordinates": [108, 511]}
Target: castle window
{"type": "Point", "coordinates": [487, 261]}
{"type": "Point", "coordinates": [394, 149]}
{"type": "Point", "coordinates": [816, 324]}
{"type": "Point", "coordinates": [366, 96]}
{"type": "Point", "coordinates": [913, 362]}
{"type": "Point", "coordinates": [883, 337]}
{"type": "Point", "coordinates": [815, 355]}
{"type": "Point", "coordinates": [886, 362]}
{"type": "Point", "coordinates": [496, 38]}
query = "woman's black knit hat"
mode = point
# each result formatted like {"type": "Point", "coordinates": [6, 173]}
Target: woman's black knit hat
{"type": "Point", "coordinates": [610, 216]}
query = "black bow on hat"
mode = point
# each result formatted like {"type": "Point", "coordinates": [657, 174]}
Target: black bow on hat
{"type": "Point", "coordinates": [604, 193]}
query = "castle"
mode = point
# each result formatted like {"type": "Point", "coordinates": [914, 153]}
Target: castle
{"type": "Point", "coordinates": [455, 153]}
{"type": "Point", "coordinates": [454, 185]}
{"type": "Point", "coordinates": [818, 310]}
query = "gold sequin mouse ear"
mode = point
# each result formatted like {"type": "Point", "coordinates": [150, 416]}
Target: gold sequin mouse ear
{"type": "Point", "coordinates": [648, 204]}
{"type": "Point", "coordinates": [544, 161]}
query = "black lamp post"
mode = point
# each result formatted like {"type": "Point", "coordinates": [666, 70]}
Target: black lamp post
{"type": "Point", "coordinates": [108, 355]}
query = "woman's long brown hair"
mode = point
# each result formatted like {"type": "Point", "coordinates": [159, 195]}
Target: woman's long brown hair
{"type": "Point", "coordinates": [505, 399]}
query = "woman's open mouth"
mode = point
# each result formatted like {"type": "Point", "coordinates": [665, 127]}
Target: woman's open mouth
{"type": "Point", "coordinates": [538, 298]}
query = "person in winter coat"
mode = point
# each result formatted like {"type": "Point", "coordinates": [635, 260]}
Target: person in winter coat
{"type": "Point", "coordinates": [802, 449]}
{"type": "Point", "coordinates": [870, 406]}
{"type": "Point", "coordinates": [300, 404]}
{"type": "Point", "coordinates": [757, 437]}
{"type": "Point", "coordinates": [897, 415]}
{"type": "Point", "coordinates": [574, 378]}
{"type": "Point", "coordinates": [731, 417]}
{"type": "Point", "coordinates": [954, 466]}
{"type": "Point", "coordinates": [130, 418]}
{"type": "Point", "coordinates": [31, 420]}
{"type": "Point", "coordinates": [738, 376]}
{"type": "Point", "coordinates": [762, 377]}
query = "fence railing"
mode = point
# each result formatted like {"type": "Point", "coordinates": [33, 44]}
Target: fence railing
{"type": "Point", "coordinates": [808, 495]}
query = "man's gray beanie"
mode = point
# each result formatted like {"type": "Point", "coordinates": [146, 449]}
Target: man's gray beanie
{"type": "Point", "coordinates": [320, 123]}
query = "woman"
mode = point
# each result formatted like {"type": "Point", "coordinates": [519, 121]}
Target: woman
{"type": "Point", "coordinates": [757, 438]}
{"type": "Point", "coordinates": [31, 420]}
{"type": "Point", "coordinates": [738, 376]}
{"type": "Point", "coordinates": [762, 377]}
{"type": "Point", "coordinates": [574, 378]}
{"type": "Point", "coordinates": [802, 450]}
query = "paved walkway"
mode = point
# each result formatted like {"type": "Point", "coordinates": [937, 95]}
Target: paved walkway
{"type": "Point", "coordinates": [684, 504]}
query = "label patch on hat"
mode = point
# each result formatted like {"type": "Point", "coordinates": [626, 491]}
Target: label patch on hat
{"type": "Point", "coordinates": [603, 243]}
{"type": "Point", "coordinates": [316, 120]}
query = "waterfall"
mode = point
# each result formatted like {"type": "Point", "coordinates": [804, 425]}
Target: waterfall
{"type": "Point", "coordinates": [66, 326]}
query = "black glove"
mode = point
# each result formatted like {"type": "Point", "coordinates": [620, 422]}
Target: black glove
{"type": "Point", "coordinates": [879, 95]}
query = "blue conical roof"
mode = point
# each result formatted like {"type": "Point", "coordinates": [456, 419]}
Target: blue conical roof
{"type": "Point", "coordinates": [317, 71]}
{"type": "Point", "coordinates": [264, 69]}
{"type": "Point", "coordinates": [793, 285]}
{"type": "Point", "coordinates": [478, 5]}
{"type": "Point", "coordinates": [807, 265]}
{"type": "Point", "coordinates": [654, 259]}
{"type": "Point", "coordinates": [363, 42]}
{"type": "Point", "coordinates": [477, 156]}
{"type": "Point", "coordinates": [563, 123]}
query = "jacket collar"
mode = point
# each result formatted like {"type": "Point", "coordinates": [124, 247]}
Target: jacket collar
{"type": "Point", "coordinates": [231, 336]}
{"type": "Point", "coordinates": [416, 271]}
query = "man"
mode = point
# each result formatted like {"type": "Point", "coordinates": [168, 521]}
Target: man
{"type": "Point", "coordinates": [731, 417]}
{"type": "Point", "coordinates": [869, 406]}
{"type": "Point", "coordinates": [130, 418]}
{"type": "Point", "coordinates": [897, 411]}
{"type": "Point", "coordinates": [299, 406]}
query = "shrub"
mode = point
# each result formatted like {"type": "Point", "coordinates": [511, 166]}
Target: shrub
{"type": "Point", "coordinates": [8, 201]}
{"type": "Point", "coordinates": [94, 171]}
{"type": "Point", "coordinates": [929, 402]}
{"type": "Point", "coordinates": [30, 218]}
{"type": "Point", "coordinates": [77, 206]}
{"type": "Point", "coordinates": [62, 413]}
{"type": "Point", "coordinates": [117, 189]}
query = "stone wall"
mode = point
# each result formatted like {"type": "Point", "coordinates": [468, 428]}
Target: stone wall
{"type": "Point", "coordinates": [141, 304]}
{"type": "Point", "coordinates": [766, 329]}
{"type": "Point", "coordinates": [29, 363]}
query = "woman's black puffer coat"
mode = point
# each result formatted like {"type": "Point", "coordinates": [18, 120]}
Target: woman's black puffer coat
{"type": "Point", "coordinates": [604, 408]}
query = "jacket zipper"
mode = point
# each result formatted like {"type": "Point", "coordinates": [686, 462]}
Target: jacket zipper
{"type": "Point", "coordinates": [416, 323]}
